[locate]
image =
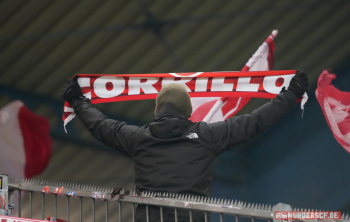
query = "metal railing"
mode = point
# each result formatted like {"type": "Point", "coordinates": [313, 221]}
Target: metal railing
{"type": "Point", "coordinates": [131, 198]}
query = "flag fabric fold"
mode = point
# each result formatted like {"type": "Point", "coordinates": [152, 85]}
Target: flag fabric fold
{"type": "Point", "coordinates": [335, 105]}
{"type": "Point", "coordinates": [25, 143]}
{"type": "Point", "coordinates": [114, 88]}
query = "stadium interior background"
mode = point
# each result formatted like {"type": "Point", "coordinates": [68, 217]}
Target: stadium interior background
{"type": "Point", "coordinates": [297, 161]}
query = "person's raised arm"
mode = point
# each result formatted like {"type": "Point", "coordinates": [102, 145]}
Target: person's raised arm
{"type": "Point", "coordinates": [113, 133]}
{"type": "Point", "coordinates": [239, 129]}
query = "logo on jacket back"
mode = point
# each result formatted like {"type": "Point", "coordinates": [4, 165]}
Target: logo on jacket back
{"type": "Point", "coordinates": [192, 135]}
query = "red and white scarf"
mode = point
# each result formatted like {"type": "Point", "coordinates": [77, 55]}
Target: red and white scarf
{"type": "Point", "coordinates": [113, 88]}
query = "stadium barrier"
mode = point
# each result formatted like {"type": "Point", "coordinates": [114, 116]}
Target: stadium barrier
{"type": "Point", "coordinates": [235, 209]}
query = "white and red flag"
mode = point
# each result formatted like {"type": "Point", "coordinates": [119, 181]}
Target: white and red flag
{"type": "Point", "coordinates": [335, 105]}
{"type": "Point", "coordinates": [25, 143]}
{"type": "Point", "coordinates": [220, 108]}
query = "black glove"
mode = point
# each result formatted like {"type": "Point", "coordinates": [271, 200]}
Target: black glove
{"type": "Point", "coordinates": [72, 90]}
{"type": "Point", "coordinates": [298, 84]}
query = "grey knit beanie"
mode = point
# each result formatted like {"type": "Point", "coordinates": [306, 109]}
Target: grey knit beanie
{"type": "Point", "coordinates": [177, 95]}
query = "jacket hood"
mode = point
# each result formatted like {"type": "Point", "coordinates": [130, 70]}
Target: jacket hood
{"type": "Point", "coordinates": [169, 122]}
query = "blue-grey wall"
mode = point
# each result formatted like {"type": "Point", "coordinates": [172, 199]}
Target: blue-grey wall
{"type": "Point", "coordinates": [297, 161]}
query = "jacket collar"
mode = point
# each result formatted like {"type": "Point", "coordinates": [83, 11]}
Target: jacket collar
{"type": "Point", "coordinates": [168, 110]}
{"type": "Point", "coordinates": [169, 122]}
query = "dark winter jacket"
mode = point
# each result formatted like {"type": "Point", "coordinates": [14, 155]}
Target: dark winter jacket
{"type": "Point", "coordinates": [173, 154]}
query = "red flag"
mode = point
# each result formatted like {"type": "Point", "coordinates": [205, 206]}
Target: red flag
{"type": "Point", "coordinates": [335, 105]}
{"type": "Point", "coordinates": [220, 108]}
{"type": "Point", "coordinates": [25, 143]}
